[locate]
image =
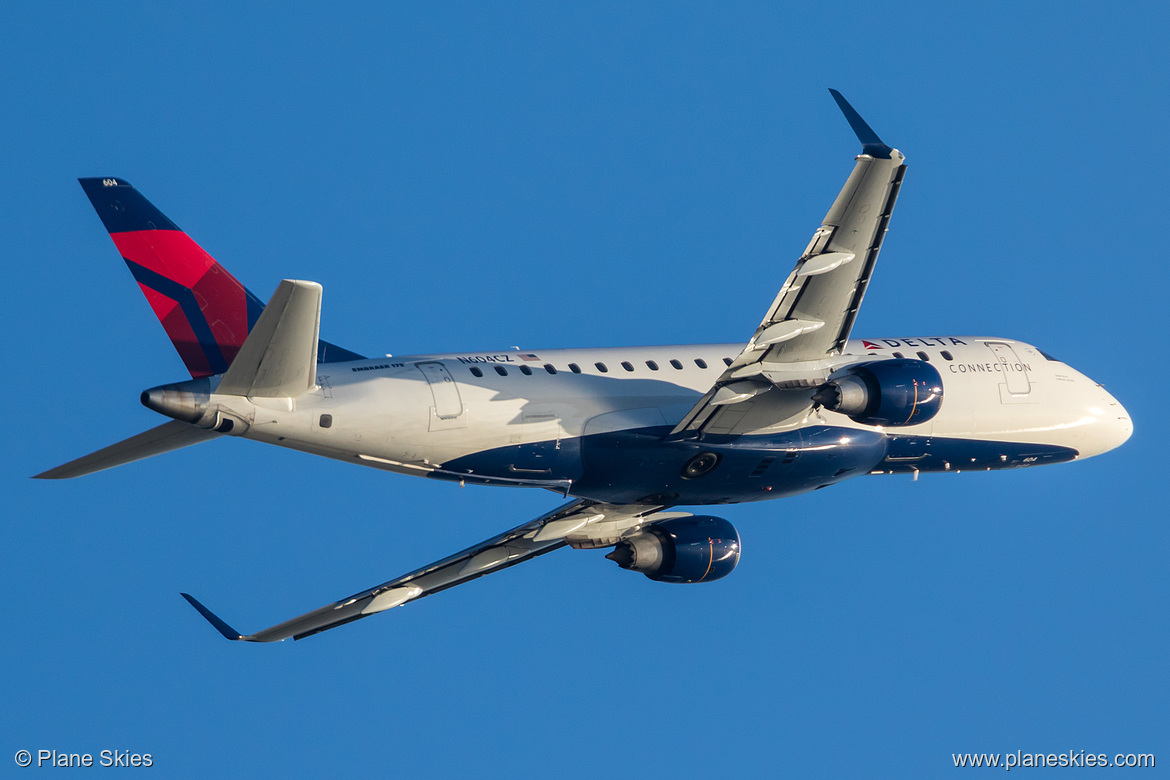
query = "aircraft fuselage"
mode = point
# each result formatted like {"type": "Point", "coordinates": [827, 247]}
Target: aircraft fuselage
{"type": "Point", "coordinates": [595, 423]}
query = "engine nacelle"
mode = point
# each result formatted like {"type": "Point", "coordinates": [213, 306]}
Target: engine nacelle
{"type": "Point", "coordinates": [895, 392]}
{"type": "Point", "coordinates": [684, 549]}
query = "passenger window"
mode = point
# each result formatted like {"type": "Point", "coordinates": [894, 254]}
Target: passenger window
{"type": "Point", "coordinates": [525, 370]}
{"type": "Point", "coordinates": [700, 362]}
{"type": "Point", "coordinates": [326, 421]}
{"type": "Point", "coordinates": [727, 361]}
{"type": "Point", "coordinates": [676, 364]}
{"type": "Point", "coordinates": [601, 367]}
{"type": "Point", "coordinates": [899, 355]}
{"type": "Point", "coordinates": [627, 365]}
{"type": "Point", "coordinates": [549, 368]}
{"type": "Point", "coordinates": [476, 372]}
{"type": "Point", "coordinates": [947, 355]}
{"type": "Point", "coordinates": [576, 369]}
{"type": "Point", "coordinates": [501, 371]}
{"type": "Point", "coordinates": [923, 356]}
{"type": "Point", "coordinates": [650, 364]}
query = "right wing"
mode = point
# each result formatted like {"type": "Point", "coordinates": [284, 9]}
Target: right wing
{"type": "Point", "coordinates": [582, 523]}
{"type": "Point", "coordinates": [810, 321]}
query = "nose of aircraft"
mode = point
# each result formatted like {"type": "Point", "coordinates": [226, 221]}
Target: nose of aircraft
{"type": "Point", "coordinates": [1114, 426]}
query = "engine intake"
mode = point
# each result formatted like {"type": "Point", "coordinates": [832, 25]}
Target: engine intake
{"type": "Point", "coordinates": [684, 549]}
{"type": "Point", "coordinates": [895, 392]}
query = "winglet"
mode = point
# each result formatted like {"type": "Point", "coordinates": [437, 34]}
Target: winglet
{"type": "Point", "coordinates": [870, 143]}
{"type": "Point", "coordinates": [213, 619]}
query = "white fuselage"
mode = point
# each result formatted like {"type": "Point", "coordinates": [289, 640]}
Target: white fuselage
{"type": "Point", "coordinates": [513, 417]}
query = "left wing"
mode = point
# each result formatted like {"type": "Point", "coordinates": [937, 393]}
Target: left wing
{"type": "Point", "coordinates": [813, 314]}
{"type": "Point", "coordinates": [582, 523]}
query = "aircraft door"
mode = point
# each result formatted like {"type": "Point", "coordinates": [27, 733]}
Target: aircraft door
{"type": "Point", "coordinates": [448, 404]}
{"type": "Point", "coordinates": [1015, 373]}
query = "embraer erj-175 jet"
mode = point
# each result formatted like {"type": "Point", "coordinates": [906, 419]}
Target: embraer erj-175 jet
{"type": "Point", "coordinates": [631, 433]}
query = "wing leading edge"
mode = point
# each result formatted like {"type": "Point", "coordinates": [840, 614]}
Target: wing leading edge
{"type": "Point", "coordinates": [565, 525]}
{"type": "Point", "coordinates": [813, 314]}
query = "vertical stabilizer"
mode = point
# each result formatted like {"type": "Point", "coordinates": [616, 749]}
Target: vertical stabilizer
{"type": "Point", "coordinates": [205, 311]}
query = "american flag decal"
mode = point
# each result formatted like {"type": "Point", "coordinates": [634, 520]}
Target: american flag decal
{"type": "Point", "coordinates": [530, 358]}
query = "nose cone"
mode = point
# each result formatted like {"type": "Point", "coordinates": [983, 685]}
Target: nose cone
{"type": "Point", "coordinates": [1112, 428]}
{"type": "Point", "coordinates": [1122, 425]}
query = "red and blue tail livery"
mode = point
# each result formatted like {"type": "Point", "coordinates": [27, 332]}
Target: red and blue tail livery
{"type": "Point", "coordinates": [205, 311]}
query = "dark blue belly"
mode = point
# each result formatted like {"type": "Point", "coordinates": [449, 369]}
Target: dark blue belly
{"type": "Point", "coordinates": [640, 466]}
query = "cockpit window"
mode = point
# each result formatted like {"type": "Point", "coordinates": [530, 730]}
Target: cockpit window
{"type": "Point", "coordinates": [1047, 356]}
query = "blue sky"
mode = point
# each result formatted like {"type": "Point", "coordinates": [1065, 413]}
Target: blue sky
{"type": "Point", "coordinates": [462, 176]}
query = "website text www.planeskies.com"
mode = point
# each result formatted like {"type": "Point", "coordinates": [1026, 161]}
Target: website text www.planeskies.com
{"type": "Point", "coordinates": [1070, 758]}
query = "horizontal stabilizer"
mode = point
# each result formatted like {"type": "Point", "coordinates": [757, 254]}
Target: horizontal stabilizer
{"type": "Point", "coordinates": [169, 436]}
{"type": "Point", "coordinates": [279, 357]}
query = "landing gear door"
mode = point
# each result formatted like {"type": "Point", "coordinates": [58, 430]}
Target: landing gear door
{"type": "Point", "coordinates": [448, 409]}
{"type": "Point", "coordinates": [1014, 371]}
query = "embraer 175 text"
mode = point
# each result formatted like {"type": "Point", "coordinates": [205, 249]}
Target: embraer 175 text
{"type": "Point", "coordinates": [630, 434]}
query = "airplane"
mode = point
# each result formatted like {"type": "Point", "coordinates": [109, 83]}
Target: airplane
{"type": "Point", "coordinates": [629, 435]}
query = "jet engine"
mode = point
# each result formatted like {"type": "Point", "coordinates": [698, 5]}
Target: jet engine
{"type": "Point", "coordinates": [895, 392]}
{"type": "Point", "coordinates": [683, 549]}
